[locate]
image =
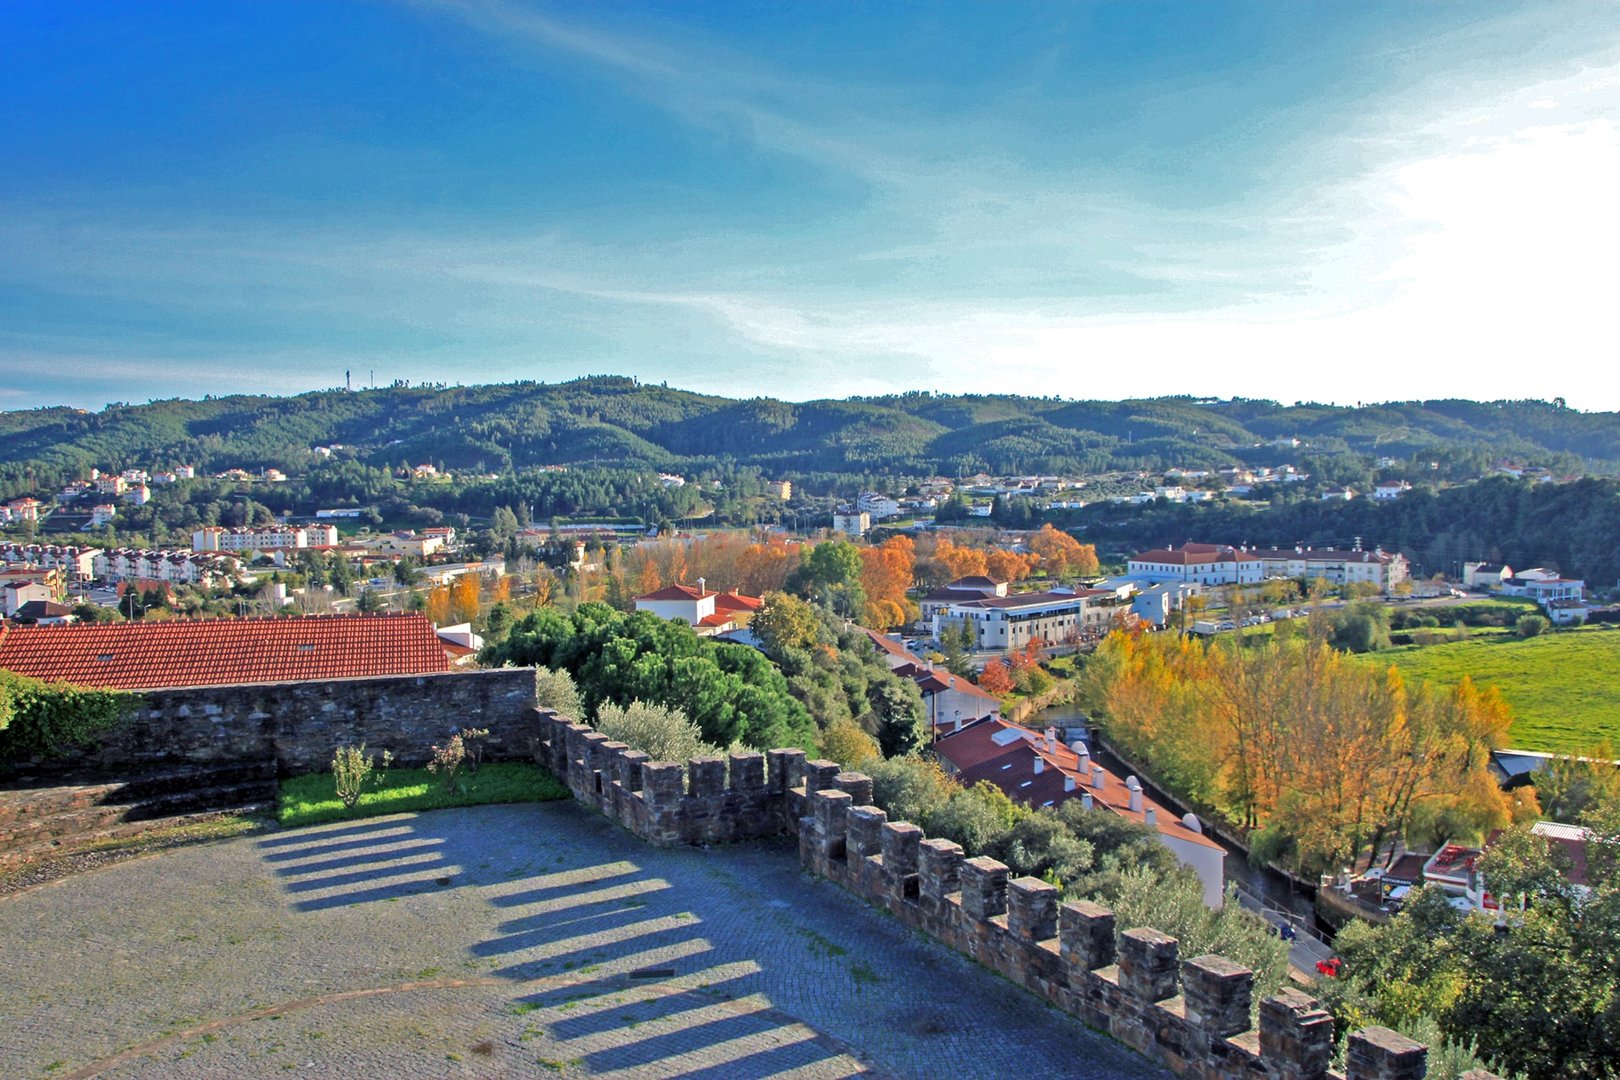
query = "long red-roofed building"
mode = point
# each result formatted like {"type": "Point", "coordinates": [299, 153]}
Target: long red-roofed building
{"type": "Point", "coordinates": [224, 652]}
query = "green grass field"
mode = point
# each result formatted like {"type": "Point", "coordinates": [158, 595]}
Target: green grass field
{"type": "Point", "coordinates": [1564, 687]}
{"type": "Point", "coordinates": [312, 798]}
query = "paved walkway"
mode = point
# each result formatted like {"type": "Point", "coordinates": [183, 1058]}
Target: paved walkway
{"type": "Point", "coordinates": [498, 941]}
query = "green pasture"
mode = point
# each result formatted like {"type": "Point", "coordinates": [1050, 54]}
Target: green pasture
{"type": "Point", "coordinates": [1564, 687]}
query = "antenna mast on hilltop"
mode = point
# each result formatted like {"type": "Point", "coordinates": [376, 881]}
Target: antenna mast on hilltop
{"type": "Point", "coordinates": [348, 386]}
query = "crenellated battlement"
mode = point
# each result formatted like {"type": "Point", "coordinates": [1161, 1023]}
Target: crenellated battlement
{"type": "Point", "coordinates": [1191, 1015]}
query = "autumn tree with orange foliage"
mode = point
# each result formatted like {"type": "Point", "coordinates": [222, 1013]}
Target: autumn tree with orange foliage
{"type": "Point", "coordinates": [887, 570]}
{"type": "Point", "coordinates": [1321, 755]}
{"type": "Point", "coordinates": [1061, 555]}
{"type": "Point", "coordinates": [438, 606]}
{"type": "Point", "coordinates": [995, 679]}
{"type": "Point", "coordinates": [464, 598]}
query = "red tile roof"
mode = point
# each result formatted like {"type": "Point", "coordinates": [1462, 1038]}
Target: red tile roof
{"type": "Point", "coordinates": [890, 646]}
{"type": "Point", "coordinates": [731, 601]}
{"type": "Point", "coordinates": [1005, 755]}
{"type": "Point", "coordinates": [222, 652]}
{"type": "Point", "coordinates": [719, 618]}
{"type": "Point", "coordinates": [676, 592]}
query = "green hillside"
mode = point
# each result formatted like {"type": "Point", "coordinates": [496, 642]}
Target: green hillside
{"type": "Point", "coordinates": [615, 421]}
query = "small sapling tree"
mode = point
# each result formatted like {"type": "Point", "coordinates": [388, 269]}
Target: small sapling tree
{"type": "Point", "coordinates": [353, 769]}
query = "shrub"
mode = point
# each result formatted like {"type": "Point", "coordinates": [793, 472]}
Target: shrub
{"type": "Point", "coordinates": [472, 741]}
{"type": "Point", "coordinates": [51, 720]}
{"type": "Point", "coordinates": [353, 769]}
{"type": "Point", "coordinates": [445, 760]}
{"type": "Point", "coordinates": [554, 689]}
{"type": "Point", "coordinates": [661, 732]}
{"type": "Point", "coordinates": [845, 743]}
{"type": "Point", "coordinates": [1530, 626]}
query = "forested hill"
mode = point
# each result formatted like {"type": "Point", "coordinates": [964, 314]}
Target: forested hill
{"type": "Point", "coordinates": [618, 421]}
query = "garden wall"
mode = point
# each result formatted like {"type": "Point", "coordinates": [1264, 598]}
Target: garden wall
{"type": "Point", "coordinates": [297, 725]}
{"type": "Point", "coordinates": [1190, 1015]}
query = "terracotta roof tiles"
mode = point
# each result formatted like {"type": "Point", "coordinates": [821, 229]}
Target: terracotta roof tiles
{"type": "Point", "coordinates": [222, 652]}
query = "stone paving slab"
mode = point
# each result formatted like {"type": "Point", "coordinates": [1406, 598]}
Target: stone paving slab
{"type": "Point", "coordinates": [531, 940]}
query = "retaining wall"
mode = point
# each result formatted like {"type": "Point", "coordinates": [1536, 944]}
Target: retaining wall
{"type": "Point", "coordinates": [1191, 1015]}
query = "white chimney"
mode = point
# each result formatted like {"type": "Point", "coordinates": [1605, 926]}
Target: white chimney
{"type": "Point", "coordinates": [1086, 801]}
{"type": "Point", "coordinates": [1068, 784]}
{"type": "Point", "coordinates": [1134, 786]}
{"type": "Point", "coordinates": [1098, 776]}
{"type": "Point", "coordinates": [1040, 764]}
{"type": "Point", "coordinates": [1150, 816]}
{"type": "Point", "coordinates": [701, 587]}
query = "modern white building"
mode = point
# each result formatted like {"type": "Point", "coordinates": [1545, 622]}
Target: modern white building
{"type": "Point", "coordinates": [1002, 621]}
{"type": "Point", "coordinates": [76, 563]}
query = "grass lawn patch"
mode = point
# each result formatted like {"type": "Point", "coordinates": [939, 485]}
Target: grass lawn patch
{"type": "Point", "coordinates": [1561, 686]}
{"type": "Point", "coordinates": [312, 798]}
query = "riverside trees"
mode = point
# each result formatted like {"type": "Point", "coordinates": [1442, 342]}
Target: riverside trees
{"type": "Point", "coordinates": [1321, 756]}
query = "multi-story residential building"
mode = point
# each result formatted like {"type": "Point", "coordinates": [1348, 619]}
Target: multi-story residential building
{"type": "Point", "coordinates": [24, 509]}
{"type": "Point", "coordinates": [172, 566]}
{"type": "Point", "coordinates": [852, 521]}
{"type": "Point", "coordinates": [102, 514]}
{"type": "Point", "coordinates": [111, 485]}
{"type": "Point", "coordinates": [76, 563]}
{"type": "Point", "coordinates": [263, 537]}
{"type": "Point", "coordinates": [139, 495]}
{"type": "Point", "coordinates": [1337, 567]}
{"type": "Point", "coordinates": [879, 506]}
{"type": "Point", "coordinates": [1205, 564]}
{"type": "Point", "coordinates": [781, 489]}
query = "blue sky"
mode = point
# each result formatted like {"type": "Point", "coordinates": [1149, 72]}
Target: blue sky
{"type": "Point", "coordinates": [1332, 202]}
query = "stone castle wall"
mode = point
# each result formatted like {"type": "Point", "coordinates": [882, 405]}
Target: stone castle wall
{"type": "Point", "coordinates": [297, 725]}
{"type": "Point", "coordinates": [1191, 1015]}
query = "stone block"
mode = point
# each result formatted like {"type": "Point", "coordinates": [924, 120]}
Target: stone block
{"type": "Point", "coordinates": [784, 769]}
{"type": "Point", "coordinates": [899, 841]}
{"type": "Point", "coordinates": [1218, 995]}
{"type": "Point", "coordinates": [862, 830]}
{"type": "Point", "coordinates": [940, 868]}
{"type": "Point", "coordinates": [858, 786]}
{"type": "Point", "coordinates": [830, 810]}
{"type": "Point", "coordinates": [707, 776]}
{"type": "Point", "coordinates": [1296, 1036]}
{"type": "Point", "coordinates": [663, 783]}
{"type": "Point", "coordinates": [818, 776]}
{"type": "Point", "coordinates": [1085, 937]}
{"type": "Point", "coordinates": [629, 769]}
{"type": "Point", "coordinates": [1377, 1053]}
{"type": "Point", "coordinates": [1147, 964]}
{"type": "Point", "coordinates": [984, 887]}
{"type": "Point", "coordinates": [747, 770]}
{"type": "Point", "coordinates": [1032, 909]}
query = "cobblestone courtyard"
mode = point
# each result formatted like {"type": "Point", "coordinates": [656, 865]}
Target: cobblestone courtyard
{"type": "Point", "coordinates": [534, 940]}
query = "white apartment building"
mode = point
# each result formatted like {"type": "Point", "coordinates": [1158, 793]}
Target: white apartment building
{"type": "Point", "coordinates": [76, 563]}
{"type": "Point", "coordinates": [263, 538]}
{"type": "Point", "coordinates": [1337, 567]}
{"type": "Point", "coordinates": [1205, 564]}
{"type": "Point", "coordinates": [172, 566]}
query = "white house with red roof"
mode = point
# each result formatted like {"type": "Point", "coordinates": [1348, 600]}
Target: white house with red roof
{"type": "Point", "coordinates": [705, 611]}
{"type": "Point", "coordinates": [1036, 769]}
{"type": "Point", "coordinates": [951, 701]}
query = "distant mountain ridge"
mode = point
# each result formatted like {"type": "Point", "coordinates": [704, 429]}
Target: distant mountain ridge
{"type": "Point", "coordinates": [618, 421]}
